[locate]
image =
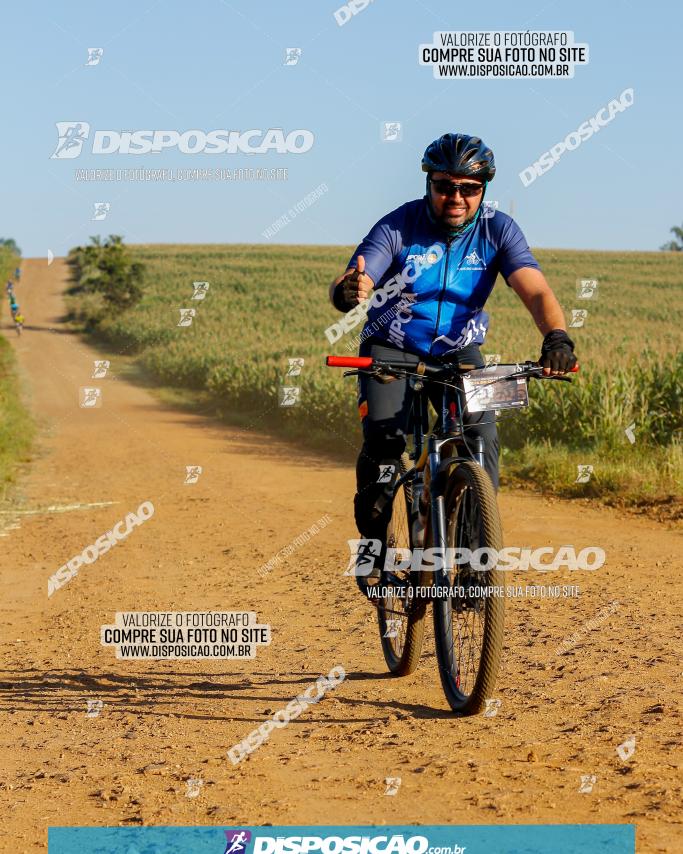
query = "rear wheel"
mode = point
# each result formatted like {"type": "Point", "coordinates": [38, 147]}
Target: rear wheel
{"type": "Point", "coordinates": [401, 621]}
{"type": "Point", "coordinates": [469, 627]}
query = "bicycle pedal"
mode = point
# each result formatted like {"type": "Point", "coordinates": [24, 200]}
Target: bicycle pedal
{"type": "Point", "coordinates": [366, 589]}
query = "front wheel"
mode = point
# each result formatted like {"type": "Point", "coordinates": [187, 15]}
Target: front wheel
{"type": "Point", "coordinates": [468, 625]}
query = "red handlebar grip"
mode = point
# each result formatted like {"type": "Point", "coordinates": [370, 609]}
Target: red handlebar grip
{"type": "Point", "coordinates": [348, 361]}
{"type": "Point", "coordinates": [574, 369]}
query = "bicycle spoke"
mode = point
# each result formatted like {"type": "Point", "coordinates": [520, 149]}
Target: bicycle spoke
{"type": "Point", "coordinates": [467, 614]}
{"type": "Point", "coordinates": [398, 537]}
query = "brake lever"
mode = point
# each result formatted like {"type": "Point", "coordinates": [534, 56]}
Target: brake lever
{"type": "Point", "coordinates": [377, 373]}
{"type": "Point", "coordinates": [373, 373]}
{"type": "Point", "coordinates": [539, 375]}
{"type": "Point", "coordinates": [544, 377]}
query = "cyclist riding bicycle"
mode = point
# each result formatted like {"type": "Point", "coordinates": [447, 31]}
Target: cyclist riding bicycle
{"type": "Point", "coordinates": [432, 264]}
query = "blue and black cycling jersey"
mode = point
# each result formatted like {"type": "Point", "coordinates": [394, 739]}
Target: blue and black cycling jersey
{"type": "Point", "coordinates": [430, 290]}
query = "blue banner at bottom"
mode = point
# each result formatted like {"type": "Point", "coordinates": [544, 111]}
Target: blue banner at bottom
{"type": "Point", "coordinates": [348, 839]}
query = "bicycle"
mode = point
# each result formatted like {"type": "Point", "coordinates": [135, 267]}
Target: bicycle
{"type": "Point", "coordinates": [444, 500]}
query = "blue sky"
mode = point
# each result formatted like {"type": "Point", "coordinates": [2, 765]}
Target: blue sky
{"type": "Point", "coordinates": [220, 65]}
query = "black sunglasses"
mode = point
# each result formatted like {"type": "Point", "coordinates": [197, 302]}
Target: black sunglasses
{"type": "Point", "coordinates": [444, 187]}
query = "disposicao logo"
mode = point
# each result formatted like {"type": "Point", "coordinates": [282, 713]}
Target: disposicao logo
{"type": "Point", "coordinates": [237, 841]}
{"type": "Point", "coordinates": [72, 135]}
{"type": "Point", "coordinates": [396, 844]}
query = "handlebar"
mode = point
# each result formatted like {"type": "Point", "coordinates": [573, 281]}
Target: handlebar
{"type": "Point", "coordinates": [531, 370]}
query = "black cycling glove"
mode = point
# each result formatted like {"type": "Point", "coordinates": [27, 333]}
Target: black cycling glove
{"type": "Point", "coordinates": [557, 351]}
{"type": "Point", "coordinates": [341, 297]}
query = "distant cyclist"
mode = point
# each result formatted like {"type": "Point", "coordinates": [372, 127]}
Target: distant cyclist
{"type": "Point", "coordinates": [450, 249]}
{"type": "Point", "coordinates": [18, 322]}
{"type": "Point", "coordinates": [9, 287]}
{"type": "Point", "coordinates": [17, 273]}
{"type": "Point", "coordinates": [14, 308]}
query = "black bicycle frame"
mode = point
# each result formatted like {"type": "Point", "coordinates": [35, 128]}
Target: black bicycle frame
{"type": "Point", "coordinates": [448, 429]}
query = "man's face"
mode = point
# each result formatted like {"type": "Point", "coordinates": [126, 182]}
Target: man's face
{"type": "Point", "coordinates": [454, 209]}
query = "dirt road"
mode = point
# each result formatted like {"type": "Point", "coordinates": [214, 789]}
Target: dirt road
{"type": "Point", "coordinates": [162, 724]}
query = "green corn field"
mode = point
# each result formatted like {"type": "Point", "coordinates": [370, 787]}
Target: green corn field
{"type": "Point", "coordinates": [267, 304]}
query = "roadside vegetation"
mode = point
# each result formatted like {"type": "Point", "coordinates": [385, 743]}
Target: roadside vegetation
{"type": "Point", "coordinates": [268, 304]}
{"type": "Point", "coordinates": [16, 426]}
{"type": "Point", "coordinates": [105, 279]}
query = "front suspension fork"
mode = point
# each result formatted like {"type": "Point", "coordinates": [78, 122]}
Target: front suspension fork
{"type": "Point", "coordinates": [434, 477]}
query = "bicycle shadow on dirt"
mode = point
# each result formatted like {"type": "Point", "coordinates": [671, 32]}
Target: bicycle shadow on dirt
{"type": "Point", "coordinates": [416, 710]}
{"type": "Point", "coordinates": [161, 694]}
{"type": "Point", "coordinates": [157, 694]}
